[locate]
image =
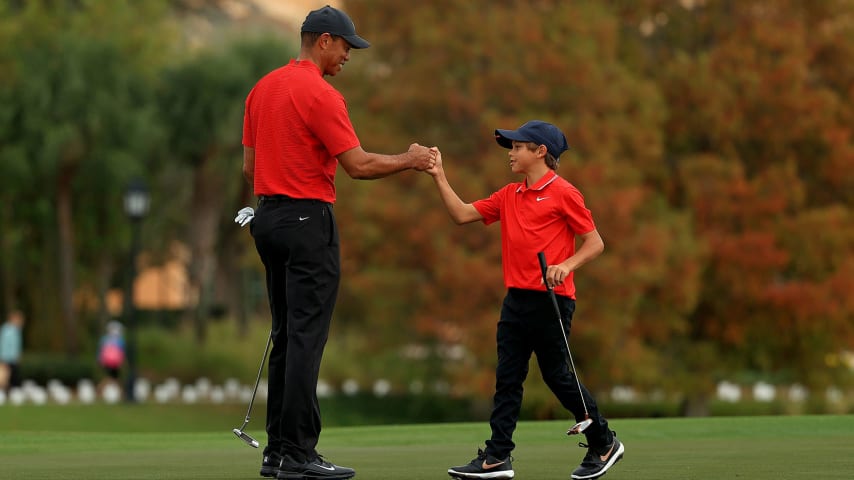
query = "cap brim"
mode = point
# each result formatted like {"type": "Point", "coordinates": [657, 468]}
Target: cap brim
{"type": "Point", "coordinates": [505, 138]}
{"type": "Point", "coordinates": [356, 41]}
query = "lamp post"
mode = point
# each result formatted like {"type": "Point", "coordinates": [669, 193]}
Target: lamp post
{"type": "Point", "coordinates": [136, 203]}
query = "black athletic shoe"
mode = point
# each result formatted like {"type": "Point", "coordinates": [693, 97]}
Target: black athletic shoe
{"type": "Point", "coordinates": [484, 466]}
{"type": "Point", "coordinates": [316, 468]}
{"type": "Point", "coordinates": [270, 465]}
{"type": "Point", "coordinates": [598, 461]}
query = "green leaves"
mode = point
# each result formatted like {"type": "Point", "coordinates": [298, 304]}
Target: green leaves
{"type": "Point", "coordinates": [712, 141]}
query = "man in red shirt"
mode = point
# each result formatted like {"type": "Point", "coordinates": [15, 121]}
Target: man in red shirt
{"type": "Point", "coordinates": [543, 213]}
{"type": "Point", "coordinates": [296, 131]}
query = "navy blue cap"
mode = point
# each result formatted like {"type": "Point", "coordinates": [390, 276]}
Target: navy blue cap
{"type": "Point", "coordinates": [334, 22]}
{"type": "Point", "coordinates": [537, 131]}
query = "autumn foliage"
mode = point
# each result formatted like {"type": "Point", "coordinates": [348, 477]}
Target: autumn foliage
{"type": "Point", "coordinates": [712, 140]}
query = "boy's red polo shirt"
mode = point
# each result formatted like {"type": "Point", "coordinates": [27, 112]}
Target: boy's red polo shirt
{"type": "Point", "coordinates": [297, 123]}
{"type": "Point", "coordinates": [543, 218]}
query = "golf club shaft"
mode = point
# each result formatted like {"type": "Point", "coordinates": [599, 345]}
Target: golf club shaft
{"type": "Point", "coordinates": [258, 380]}
{"type": "Point", "coordinates": [544, 267]}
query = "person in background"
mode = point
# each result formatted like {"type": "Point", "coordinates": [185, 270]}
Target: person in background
{"type": "Point", "coordinates": [11, 347]}
{"type": "Point", "coordinates": [111, 351]}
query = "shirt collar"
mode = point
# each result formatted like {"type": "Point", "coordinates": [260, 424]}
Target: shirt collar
{"type": "Point", "coordinates": [548, 178]}
{"type": "Point", "coordinates": [306, 64]}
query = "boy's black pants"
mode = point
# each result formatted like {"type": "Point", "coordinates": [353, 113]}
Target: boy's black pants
{"type": "Point", "coordinates": [529, 324]}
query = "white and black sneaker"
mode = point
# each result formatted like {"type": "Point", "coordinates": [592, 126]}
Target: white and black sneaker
{"type": "Point", "coordinates": [598, 461]}
{"type": "Point", "coordinates": [483, 466]}
{"type": "Point", "coordinates": [316, 468]}
{"type": "Point", "coordinates": [270, 465]}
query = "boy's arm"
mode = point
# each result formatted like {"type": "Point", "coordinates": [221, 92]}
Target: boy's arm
{"type": "Point", "coordinates": [591, 247]}
{"type": "Point", "coordinates": [459, 211]}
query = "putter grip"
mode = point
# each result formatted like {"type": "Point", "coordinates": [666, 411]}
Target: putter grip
{"type": "Point", "coordinates": [543, 267]}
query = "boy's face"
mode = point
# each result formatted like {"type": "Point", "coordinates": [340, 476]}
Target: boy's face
{"type": "Point", "coordinates": [523, 158]}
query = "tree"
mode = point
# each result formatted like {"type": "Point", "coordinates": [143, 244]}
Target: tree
{"type": "Point", "coordinates": [201, 101]}
{"type": "Point", "coordinates": [758, 135]}
{"type": "Point", "coordinates": [76, 124]}
{"type": "Point", "coordinates": [451, 83]}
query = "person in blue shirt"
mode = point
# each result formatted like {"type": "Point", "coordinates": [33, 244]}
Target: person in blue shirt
{"type": "Point", "coordinates": [11, 345]}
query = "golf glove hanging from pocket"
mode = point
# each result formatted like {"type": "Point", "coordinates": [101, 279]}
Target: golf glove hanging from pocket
{"type": "Point", "coordinates": [244, 216]}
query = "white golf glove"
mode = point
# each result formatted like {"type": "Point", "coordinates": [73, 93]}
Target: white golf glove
{"type": "Point", "coordinates": [244, 216]}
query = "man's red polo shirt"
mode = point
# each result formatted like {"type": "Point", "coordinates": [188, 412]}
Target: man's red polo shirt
{"type": "Point", "coordinates": [543, 218]}
{"type": "Point", "coordinates": [297, 123]}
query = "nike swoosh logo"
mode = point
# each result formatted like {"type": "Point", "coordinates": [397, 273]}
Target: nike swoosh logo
{"type": "Point", "coordinates": [302, 219]}
{"type": "Point", "coordinates": [331, 469]}
{"type": "Point", "coordinates": [487, 466]}
{"type": "Point", "coordinates": [540, 199]}
{"type": "Point", "coordinates": [607, 455]}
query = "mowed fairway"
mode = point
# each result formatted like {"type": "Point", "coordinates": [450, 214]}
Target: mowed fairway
{"type": "Point", "coordinates": [88, 443]}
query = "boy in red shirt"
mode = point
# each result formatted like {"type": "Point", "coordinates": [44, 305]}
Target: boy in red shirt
{"type": "Point", "coordinates": [544, 213]}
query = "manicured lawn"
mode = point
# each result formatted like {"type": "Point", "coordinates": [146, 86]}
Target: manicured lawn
{"type": "Point", "coordinates": [166, 442]}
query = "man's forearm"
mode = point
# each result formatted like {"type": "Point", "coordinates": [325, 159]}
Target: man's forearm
{"type": "Point", "coordinates": [378, 165]}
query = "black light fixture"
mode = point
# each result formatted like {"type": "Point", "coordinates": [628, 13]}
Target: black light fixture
{"type": "Point", "coordinates": [137, 201]}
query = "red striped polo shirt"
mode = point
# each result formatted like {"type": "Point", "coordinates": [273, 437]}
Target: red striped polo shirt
{"type": "Point", "coordinates": [297, 123]}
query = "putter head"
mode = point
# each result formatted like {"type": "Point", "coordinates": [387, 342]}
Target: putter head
{"type": "Point", "coordinates": [579, 427]}
{"type": "Point", "coordinates": [245, 437]}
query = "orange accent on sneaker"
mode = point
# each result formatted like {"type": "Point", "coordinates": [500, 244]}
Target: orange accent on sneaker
{"type": "Point", "coordinates": [488, 466]}
{"type": "Point", "coordinates": [608, 455]}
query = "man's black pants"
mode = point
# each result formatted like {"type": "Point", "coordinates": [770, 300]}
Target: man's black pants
{"type": "Point", "coordinates": [528, 324]}
{"type": "Point", "coordinates": [298, 243]}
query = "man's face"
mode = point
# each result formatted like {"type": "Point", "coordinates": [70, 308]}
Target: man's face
{"type": "Point", "coordinates": [336, 52]}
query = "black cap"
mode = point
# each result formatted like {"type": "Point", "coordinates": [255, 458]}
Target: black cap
{"type": "Point", "coordinates": [334, 22]}
{"type": "Point", "coordinates": [537, 131]}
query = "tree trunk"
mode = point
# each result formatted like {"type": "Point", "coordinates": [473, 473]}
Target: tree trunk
{"type": "Point", "coordinates": [6, 245]}
{"type": "Point", "coordinates": [695, 405]}
{"type": "Point", "coordinates": [65, 246]}
{"type": "Point", "coordinates": [102, 279]}
{"type": "Point", "coordinates": [206, 205]}
{"type": "Point", "coordinates": [233, 277]}
{"type": "Point", "coordinates": [230, 281]}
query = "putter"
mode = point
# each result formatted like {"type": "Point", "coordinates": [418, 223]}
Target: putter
{"type": "Point", "coordinates": [582, 425]}
{"type": "Point", "coordinates": [239, 431]}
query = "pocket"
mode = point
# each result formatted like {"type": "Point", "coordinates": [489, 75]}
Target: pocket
{"type": "Point", "coordinates": [332, 226]}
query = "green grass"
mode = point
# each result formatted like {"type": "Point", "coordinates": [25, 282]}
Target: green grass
{"type": "Point", "coordinates": [181, 442]}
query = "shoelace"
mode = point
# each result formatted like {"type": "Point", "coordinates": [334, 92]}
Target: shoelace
{"type": "Point", "coordinates": [591, 455]}
{"type": "Point", "coordinates": [321, 461]}
{"type": "Point", "coordinates": [584, 445]}
{"type": "Point", "coordinates": [481, 456]}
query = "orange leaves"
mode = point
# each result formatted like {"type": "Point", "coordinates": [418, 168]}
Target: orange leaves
{"type": "Point", "coordinates": [715, 153]}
